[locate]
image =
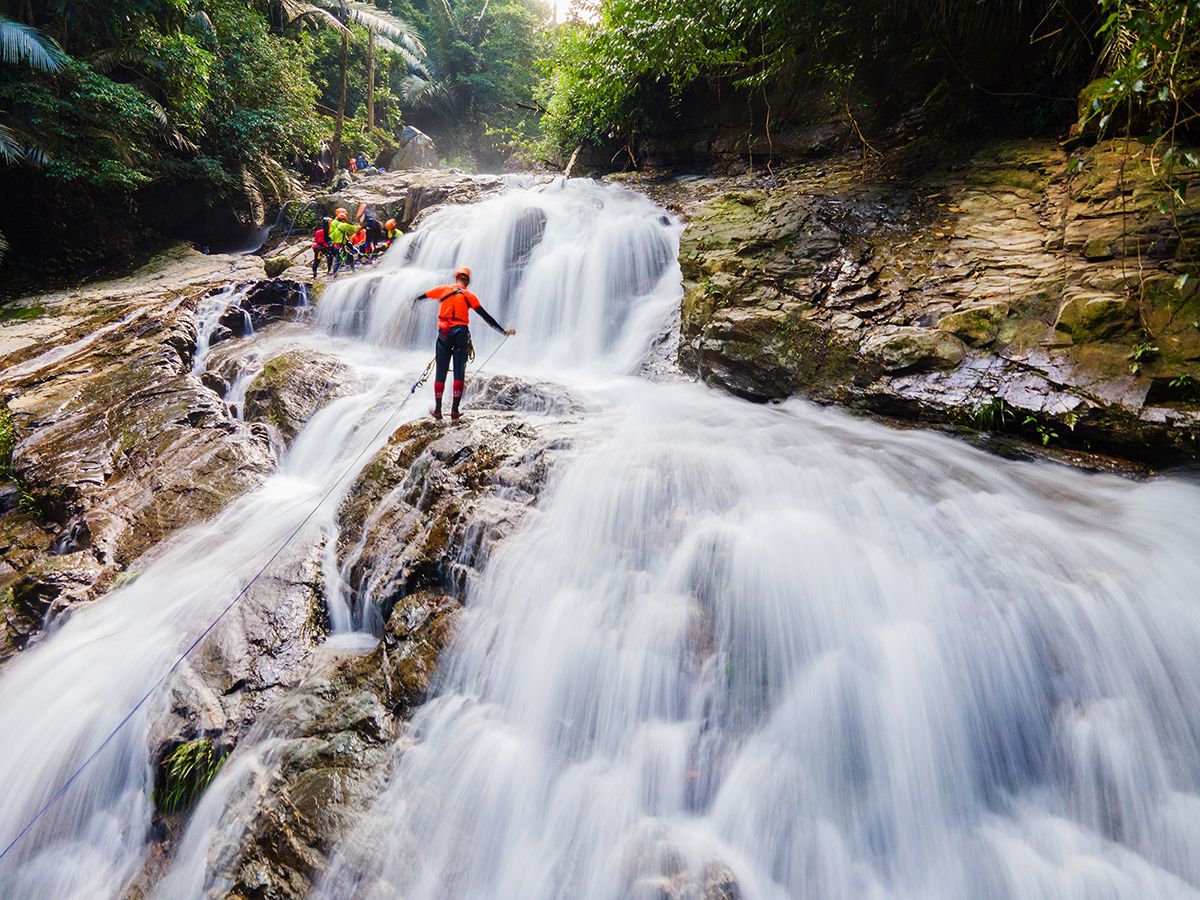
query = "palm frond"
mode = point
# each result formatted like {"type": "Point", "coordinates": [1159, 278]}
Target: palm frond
{"type": "Point", "coordinates": [3, 246]}
{"type": "Point", "coordinates": [417, 92]}
{"type": "Point", "coordinates": [295, 11]}
{"type": "Point", "coordinates": [16, 146]}
{"type": "Point", "coordinates": [22, 43]}
{"type": "Point", "coordinates": [413, 60]}
{"type": "Point", "coordinates": [11, 150]}
{"type": "Point", "coordinates": [382, 23]}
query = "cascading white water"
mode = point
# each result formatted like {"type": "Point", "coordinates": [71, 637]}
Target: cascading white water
{"type": "Point", "coordinates": [62, 696]}
{"type": "Point", "coordinates": [828, 659]}
{"type": "Point", "coordinates": [586, 275]}
{"type": "Point", "coordinates": [208, 318]}
{"type": "Point", "coordinates": [766, 645]}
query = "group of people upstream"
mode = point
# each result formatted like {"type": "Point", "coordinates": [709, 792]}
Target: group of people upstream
{"type": "Point", "coordinates": [341, 241]}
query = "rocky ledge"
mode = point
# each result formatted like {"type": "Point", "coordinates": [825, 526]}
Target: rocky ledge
{"type": "Point", "coordinates": [404, 196]}
{"type": "Point", "coordinates": [1033, 291]}
{"type": "Point", "coordinates": [108, 441]}
{"type": "Point", "coordinates": [415, 527]}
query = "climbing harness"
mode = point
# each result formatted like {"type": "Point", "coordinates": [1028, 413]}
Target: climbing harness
{"type": "Point", "coordinates": [66, 785]}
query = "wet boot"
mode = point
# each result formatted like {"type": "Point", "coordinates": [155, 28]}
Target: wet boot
{"type": "Point", "coordinates": [438, 388]}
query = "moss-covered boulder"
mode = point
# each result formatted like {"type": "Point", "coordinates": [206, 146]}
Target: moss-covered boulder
{"type": "Point", "coordinates": [975, 325]}
{"type": "Point", "coordinates": [908, 349]}
{"type": "Point", "coordinates": [277, 265]}
{"type": "Point", "coordinates": [294, 387]}
{"type": "Point", "coordinates": [1096, 317]}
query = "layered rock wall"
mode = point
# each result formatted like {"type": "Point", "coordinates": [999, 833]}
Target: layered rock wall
{"type": "Point", "coordinates": [1050, 293]}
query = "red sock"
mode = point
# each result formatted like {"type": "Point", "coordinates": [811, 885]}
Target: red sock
{"type": "Point", "coordinates": [439, 388]}
{"type": "Point", "coordinates": [458, 388]}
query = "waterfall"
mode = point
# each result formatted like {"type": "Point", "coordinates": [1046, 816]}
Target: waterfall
{"type": "Point", "coordinates": [586, 275]}
{"type": "Point", "coordinates": [737, 650]}
{"type": "Point", "coordinates": [795, 652]}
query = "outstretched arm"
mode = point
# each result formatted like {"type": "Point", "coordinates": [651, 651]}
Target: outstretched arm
{"type": "Point", "coordinates": [487, 318]}
{"type": "Point", "coordinates": [420, 297]}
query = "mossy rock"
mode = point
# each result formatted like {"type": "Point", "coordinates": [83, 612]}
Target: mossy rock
{"type": "Point", "coordinates": [8, 442]}
{"type": "Point", "coordinates": [1087, 114]}
{"type": "Point", "coordinates": [277, 265]}
{"type": "Point", "coordinates": [976, 325]}
{"type": "Point", "coordinates": [1171, 308]}
{"type": "Point", "coordinates": [292, 388]}
{"type": "Point", "coordinates": [913, 349]}
{"type": "Point", "coordinates": [1096, 317]}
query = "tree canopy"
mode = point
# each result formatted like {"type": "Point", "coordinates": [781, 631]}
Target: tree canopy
{"type": "Point", "coordinates": [109, 101]}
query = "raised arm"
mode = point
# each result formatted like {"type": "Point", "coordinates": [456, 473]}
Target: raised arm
{"type": "Point", "coordinates": [488, 318]}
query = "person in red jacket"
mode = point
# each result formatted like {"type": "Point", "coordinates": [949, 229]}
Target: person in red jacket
{"type": "Point", "coordinates": [454, 335]}
{"type": "Point", "coordinates": [321, 247]}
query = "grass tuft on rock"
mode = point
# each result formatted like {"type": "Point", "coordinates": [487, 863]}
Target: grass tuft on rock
{"type": "Point", "coordinates": [8, 442]}
{"type": "Point", "coordinates": [184, 773]}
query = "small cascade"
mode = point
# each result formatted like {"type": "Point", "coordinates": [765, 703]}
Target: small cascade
{"type": "Point", "coordinates": [214, 316]}
{"type": "Point", "coordinates": [587, 275]}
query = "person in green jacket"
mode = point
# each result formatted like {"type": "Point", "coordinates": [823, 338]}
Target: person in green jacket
{"type": "Point", "coordinates": [341, 229]}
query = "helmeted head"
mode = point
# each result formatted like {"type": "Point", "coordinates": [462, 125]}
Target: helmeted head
{"type": "Point", "coordinates": [341, 214]}
{"type": "Point", "coordinates": [389, 224]}
{"type": "Point", "coordinates": [462, 274]}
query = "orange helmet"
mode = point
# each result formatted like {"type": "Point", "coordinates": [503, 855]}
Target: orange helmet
{"type": "Point", "coordinates": [463, 270]}
{"type": "Point", "coordinates": [341, 214]}
{"type": "Point", "coordinates": [389, 224]}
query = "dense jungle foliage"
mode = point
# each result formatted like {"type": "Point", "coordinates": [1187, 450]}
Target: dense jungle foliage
{"type": "Point", "coordinates": [124, 122]}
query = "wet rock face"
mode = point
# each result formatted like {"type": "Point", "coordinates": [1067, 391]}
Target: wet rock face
{"type": "Point", "coordinates": [293, 387]}
{"type": "Point", "coordinates": [335, 749]}
{"type": "Point", "coordinates": [117, 444]}
{"type": "Point", "coordinates": [428, 508]}
{"type": "Point", "coordinates": [1053, 283]}
{"type": "Point", "coordinates": [404, 195]}
{"type": "Point", "coordinates": [419, 521]}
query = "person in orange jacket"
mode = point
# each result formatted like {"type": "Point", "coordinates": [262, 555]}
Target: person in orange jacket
{"type": "Point", "coordinates": [454, 336]}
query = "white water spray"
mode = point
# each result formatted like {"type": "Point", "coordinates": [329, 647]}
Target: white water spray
{"type": "Point", "coordinates": [783, 649]}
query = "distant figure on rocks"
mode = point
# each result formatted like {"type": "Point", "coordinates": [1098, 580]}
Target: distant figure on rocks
{"type": "Point", "coordinates": [322, 247]}
{"type": "Point", "coordinates": [454, 336]}
{"type": "Point", "coordinates": [391, 231]}
{"type": "Point", "coordinates": [375, 233]}
{"type": "Point", "coordinates": [325, 160]}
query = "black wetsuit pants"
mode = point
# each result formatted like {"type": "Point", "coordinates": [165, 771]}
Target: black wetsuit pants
{"type": "Point", "coordinates": [452, 345]}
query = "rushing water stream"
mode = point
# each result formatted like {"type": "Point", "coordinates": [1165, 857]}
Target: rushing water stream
{"type": "Point", "coordinates": [765, 645]}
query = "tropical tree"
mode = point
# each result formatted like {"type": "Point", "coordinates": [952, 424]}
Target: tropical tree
{"type": "Point", "coordinates": [23, 45]}
{"type": "Point", "coordinates": [383, 31]}
{"type": "Point", "coordinates": [484, 59]}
